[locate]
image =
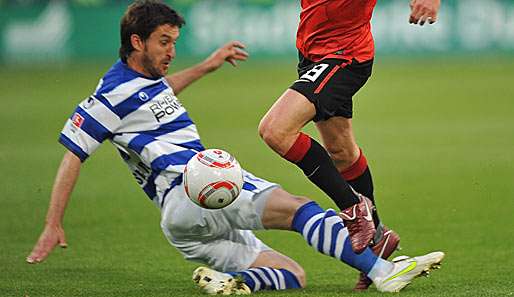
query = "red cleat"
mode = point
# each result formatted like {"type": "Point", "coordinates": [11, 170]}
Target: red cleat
{"type": "Point", "coordinates": [384, 248]}
{"type": "Point", "coordinates": [359, 221]}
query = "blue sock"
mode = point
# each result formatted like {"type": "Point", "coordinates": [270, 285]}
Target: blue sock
{"type": "Point", "coordinates": [325, 232]}
{"type": "Point", "coordinates": [265, 278]}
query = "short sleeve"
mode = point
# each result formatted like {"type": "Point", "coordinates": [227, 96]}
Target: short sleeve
{"type": "Point", "coordinates": [92, 122]}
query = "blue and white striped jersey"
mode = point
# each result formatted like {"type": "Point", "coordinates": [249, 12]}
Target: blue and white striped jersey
{"type": "Point", "coordinates": [144, 120]}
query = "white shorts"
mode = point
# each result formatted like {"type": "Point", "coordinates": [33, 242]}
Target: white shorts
{"type": "Point", "coordinates": [219, 238]}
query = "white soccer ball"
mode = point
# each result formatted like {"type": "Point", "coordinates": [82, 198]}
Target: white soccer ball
{"type": "Point", "coordinates": [213, 179]}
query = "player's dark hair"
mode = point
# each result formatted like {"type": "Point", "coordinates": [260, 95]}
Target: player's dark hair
{"type": "Point", "coordinates": [142, 18]}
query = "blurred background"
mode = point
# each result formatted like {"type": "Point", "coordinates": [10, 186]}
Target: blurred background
{"type": "Point", "coordinates": [436, 122]}
{"type": "Point", "coordinates": [39, 31]}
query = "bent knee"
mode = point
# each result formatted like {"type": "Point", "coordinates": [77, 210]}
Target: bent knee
{"type": "Point", "coordinates": [270, 134]}
{"type": "Point", "coordinates": [276, 137]}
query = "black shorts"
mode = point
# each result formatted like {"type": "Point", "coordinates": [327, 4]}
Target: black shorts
{"type": "Point", "coordinates": [330, 85]}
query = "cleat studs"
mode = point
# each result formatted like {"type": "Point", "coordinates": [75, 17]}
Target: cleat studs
{"type": "Point", "coordinates": [435, 266]}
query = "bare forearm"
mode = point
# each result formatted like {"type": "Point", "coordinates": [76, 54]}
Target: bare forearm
{"type": "Point", "coordinates": [63, 186]}
{"type": "Point", "coordinates": [180, 80]}
{"type": "Point", "coordinates": [53, 233]}
{"type": "Point", "coordinates": [230, 52]}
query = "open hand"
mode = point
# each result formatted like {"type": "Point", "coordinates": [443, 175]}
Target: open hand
{"type": "Point", "coordinates": [231, 52]}
{"type": "Point", "coordinates": [49, 239]}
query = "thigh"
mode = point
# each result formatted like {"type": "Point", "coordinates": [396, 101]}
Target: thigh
{"type": "Point", "coordinates": [290, 112]}
{"type": "Point", "coordinates": [246, 212]}
{"type": "Point", "coordinates": [184, 220]}
{"type": "Point", "coordinates": [234, 251]}
{"type": "Point", "coordinates": [288, 115]}
{"type": "Point", "coordinates": [210, 236]}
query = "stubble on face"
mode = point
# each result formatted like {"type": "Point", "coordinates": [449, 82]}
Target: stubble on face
{"type": "Point", "coordinates": [148, 64]}
{"type": "Point", "coordinates": [158, 52]}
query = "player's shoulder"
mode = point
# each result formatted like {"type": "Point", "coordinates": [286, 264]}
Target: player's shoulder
{"type": "Point", "coordinates": [120, 82]}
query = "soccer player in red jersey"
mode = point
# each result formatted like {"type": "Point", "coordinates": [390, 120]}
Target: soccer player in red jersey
{"type": "Point", "coordinates": [336, 51]}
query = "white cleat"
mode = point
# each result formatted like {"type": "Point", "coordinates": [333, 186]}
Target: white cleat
{"type": "Point", "coordinates": [213, 282]}
{"type": "Point", "coordinates": [406, 269]}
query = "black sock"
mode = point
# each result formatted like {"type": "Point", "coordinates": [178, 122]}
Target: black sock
{"type": "Point", "coordinates": [320, 169]}
{"type": "Point", "coordinates": [364, 184]}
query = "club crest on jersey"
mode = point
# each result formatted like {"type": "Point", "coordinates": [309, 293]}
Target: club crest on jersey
{"type": "Point", "coordinates": [77, 120]}
{"type": "Point", "coordinates": [143, 96]}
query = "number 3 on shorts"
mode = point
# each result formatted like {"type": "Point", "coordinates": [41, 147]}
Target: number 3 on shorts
{"type": "Point", "coordinates": [315, 72]}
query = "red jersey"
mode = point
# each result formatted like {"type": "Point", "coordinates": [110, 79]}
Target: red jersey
{"type": "Point", "coordinates": [336, 28]}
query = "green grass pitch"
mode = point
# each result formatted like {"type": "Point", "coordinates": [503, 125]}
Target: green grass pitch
{"type": "Point", "coordinates": [439, 135]}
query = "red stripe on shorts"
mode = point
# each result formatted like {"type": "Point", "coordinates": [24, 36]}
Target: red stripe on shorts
{"type": "Point", "coordinates": [329, 75]}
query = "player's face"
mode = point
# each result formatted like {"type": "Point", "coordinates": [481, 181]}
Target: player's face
{"type": "Point", "coordinates": [159, 50]}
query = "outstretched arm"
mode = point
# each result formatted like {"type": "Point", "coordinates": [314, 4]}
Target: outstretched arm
{"type": "Point", "coordinates": [423, 11]}
{"type": "Point", "coordinates": [53, 234]}
{"type": "Point", "coordinates": [230, 52]}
